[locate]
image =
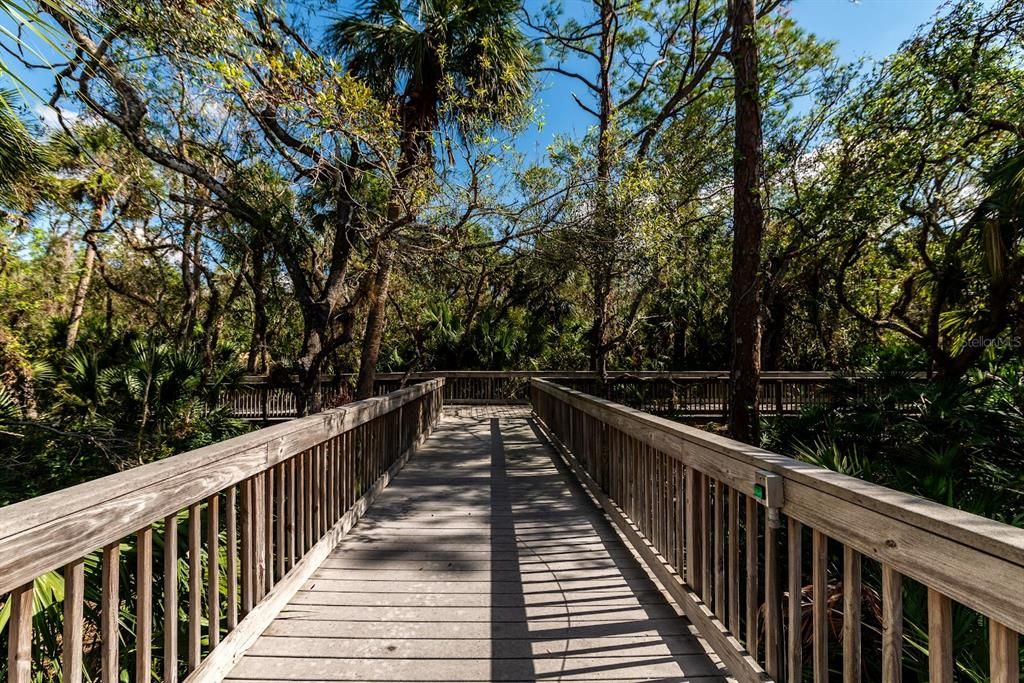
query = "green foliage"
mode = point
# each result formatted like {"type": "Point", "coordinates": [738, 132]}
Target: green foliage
{"type": "Point", "coordinates": [955, 442]}
{"type": "Point", "coordinates": [109, 408]}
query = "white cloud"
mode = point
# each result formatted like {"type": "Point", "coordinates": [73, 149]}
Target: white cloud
{"type": "Point", "coordinates": [49, 116]}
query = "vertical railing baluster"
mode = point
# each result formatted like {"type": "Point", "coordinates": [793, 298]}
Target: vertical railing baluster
{"type": "Point", "coordinates": [19, 635]}
{"type": "Point", "coordinates": [819, 566]}
{"type": "Point", "coordinates": [292, 526]}
{"type": "Point", "coordinates": [259, 562]}
{"type": "Point", "coordinates": [1004, 653]}
{"type": "Point", "coordinates": [268, 526]}
{"type": "Point", "coordinates": [852, 598]}
{"type": "Point", "coordinates": [892, 625]}
{"type": "Point", "coordinates": [110, 614]}
{"type": "Point", "coordinates": [772, 616]}
{"type": "Point", "coordinates": [144, 605]}
{"type": "Point", "coordinates": [308, 494]}
{"type": "Point", "coordinates": [170, 654]}
{"type": "Point", "coordinates": [282, 499]}
{"type": "Point", "coordinates": [706, 528]}
{"type": "Point", "coordinates": [74, 607]}
{"type": "Point", "coordinates": [195, 586]}
{"type": "Point", "coordinates": [720, 606]}
{"type": "Point", "coordinates": [245, 511]}
{"type": "Point", "coordinates": [300, 506]}
{"type": "Point", "coordinates": [692, 530]}
{"type": "Point", "coordinates": [940, 637]}
{"type": "Point", "coordinates": [213, 569]}
{"type": "Point", "coordinates": [750, 526]}
{"type": "Point", "coordinates": [231, 527]}
{"type": "Point", "coordinates": [794, 635]}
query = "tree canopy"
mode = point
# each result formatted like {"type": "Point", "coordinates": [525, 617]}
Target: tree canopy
{"type": "Point", "coordinates": [281, 188]}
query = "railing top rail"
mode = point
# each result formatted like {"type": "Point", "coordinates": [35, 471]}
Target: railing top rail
{"type": "Point", "coordinates": [43, 533]}
{"type": "Point", "coordinates": [895, 521]}
{"type": "Point", "coordinates": [795, 375]}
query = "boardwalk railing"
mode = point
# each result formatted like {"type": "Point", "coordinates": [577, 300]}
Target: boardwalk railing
{"type": "Point", "coordinates": [237, 527]}
{"type": "Point", "coordinates": [677, 394]}
{"type": "Point", "coordinates": [725, 527]}
{"type": "Point", "coordinates": [706, 394]}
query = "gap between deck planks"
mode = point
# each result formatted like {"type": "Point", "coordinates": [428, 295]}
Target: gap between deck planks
{"type": "Point", "coordinates": [482, 561]}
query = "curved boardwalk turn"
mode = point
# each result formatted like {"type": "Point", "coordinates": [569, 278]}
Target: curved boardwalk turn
{"type": "Point", "coordinates": [483, 561]}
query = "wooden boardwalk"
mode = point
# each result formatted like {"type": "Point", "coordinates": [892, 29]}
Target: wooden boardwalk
{"type": "Point", "coordinates": [483, 561]}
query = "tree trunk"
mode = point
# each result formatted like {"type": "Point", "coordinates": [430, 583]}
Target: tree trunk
{"type": "Point", "coordinates": [190, 293]}
{"type": "Point", "coordinates": [415, 143]}
{"type": "Point", "coordinates": [309, 362]}
{"type": "Point", "coordinates": [257, 359]}
{"type": "Point", "coordinates": [774, 333]}
{"type": "Point", "coordinates": [374, 325]}
{"type": "Point", "coordinates": [748, 229]}
{"type": "Point", "coordinates": [78, 304]}
{"type": "Point", "coordinates": [84, 280]}
{"type": "Point", "coordinates": [67, 262]}
{"type": "Point", "coordinates": [604, 236]}
{"type": "Point", "coordinates": [599, 329]}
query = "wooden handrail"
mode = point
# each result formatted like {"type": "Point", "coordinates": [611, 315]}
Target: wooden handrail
{"type": "Point", "coordinates": [281, 497]}
{"type": "Point", "coordinates": [684, 491]}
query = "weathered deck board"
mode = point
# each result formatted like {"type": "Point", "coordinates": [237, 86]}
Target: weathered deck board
{"type": "Point", "coordinates": [481, 562]}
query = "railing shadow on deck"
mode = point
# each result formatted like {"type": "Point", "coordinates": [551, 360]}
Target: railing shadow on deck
{"type": "Point", "coordinates": [268, 505]}
{"type": "Point", "coordinates": [724, 526]}
{"type": "Point", "coordinates": [503, 539]}
{"type": "Point", "coordinates": [660, 624]}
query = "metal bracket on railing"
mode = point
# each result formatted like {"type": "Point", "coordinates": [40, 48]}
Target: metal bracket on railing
{"type": "Point", "coordinates": [768, 491]}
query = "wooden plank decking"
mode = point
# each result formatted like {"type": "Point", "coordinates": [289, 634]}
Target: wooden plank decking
{"type": "Point", "coordinates": [483, 561]}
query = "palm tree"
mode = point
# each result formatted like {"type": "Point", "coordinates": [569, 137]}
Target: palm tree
{"type": "Point", "coordinates": [22, 158]}
{"type": "Point", "coordinates": [463, 63]}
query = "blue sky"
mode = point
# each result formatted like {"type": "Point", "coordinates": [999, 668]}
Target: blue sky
{"type": "Point", "coordinates": [862, 28]}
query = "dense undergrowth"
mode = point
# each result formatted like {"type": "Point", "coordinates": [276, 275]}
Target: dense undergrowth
{"type": "Point", "coordinates": [103, 409]}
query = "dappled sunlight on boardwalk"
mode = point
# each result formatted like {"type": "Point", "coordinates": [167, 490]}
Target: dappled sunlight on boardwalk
{"type": "Point", "coordinates": [482, 561]}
